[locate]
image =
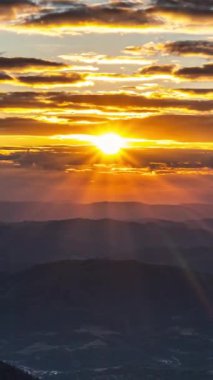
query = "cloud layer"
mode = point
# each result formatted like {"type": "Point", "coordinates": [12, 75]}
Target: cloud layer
{"type": "Point", "coordinates": [149, 80]}
{"type": "Point", "coordinates": [50, 16]}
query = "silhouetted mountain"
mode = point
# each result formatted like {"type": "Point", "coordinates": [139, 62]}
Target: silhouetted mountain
{"type": "Point", "coordinates": [126, 211]}
{"type": "Point", "coordinates": [28, 243]}
{"type": "Point", "coordinates": [108, 320]}
{"type": "Point", "coordinates": [8, 372]}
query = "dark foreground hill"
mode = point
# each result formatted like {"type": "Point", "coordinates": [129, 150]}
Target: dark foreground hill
{"type": "Point", "coordinates": [97, 320]}
{"type": "Point", "coordinates": [26, 244]}
{"type": "Point", "coordinates": [8, 372]}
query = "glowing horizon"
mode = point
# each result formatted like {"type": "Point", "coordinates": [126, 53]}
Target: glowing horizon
{"type": "Point", "coordinates": [126, 96]}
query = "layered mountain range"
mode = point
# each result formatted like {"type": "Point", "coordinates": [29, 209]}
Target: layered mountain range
{"type": "Point", "coordinates": [186, 244]}
{"type": "Point", "coordinates": [126, 211]}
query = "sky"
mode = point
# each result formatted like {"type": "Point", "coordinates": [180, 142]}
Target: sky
{"type": "Point", "coordinates": [78, 76]}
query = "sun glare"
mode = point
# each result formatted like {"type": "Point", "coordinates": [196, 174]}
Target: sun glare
{"type": "Point", "coordinates": [109, 143]}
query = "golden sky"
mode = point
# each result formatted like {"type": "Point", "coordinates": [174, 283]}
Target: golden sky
{"type": "Point", "coordinates": [106, 100]}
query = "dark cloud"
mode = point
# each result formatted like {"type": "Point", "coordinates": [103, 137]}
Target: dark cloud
{"type": "Point", "coordinates": [20, 100]}
{"type": "Point", "coordinates": [5, 4]}
{"type": "Point", "coordinates": [58, 79]}
{"type": "Point", "coordinates": [196, 91]}
{"type": "Point", "coordinates": [19, 63]}
{"type": "Point", "coordinates": [188, 8]}
{"type": "Point", "coordinates": [64, 100]}
{"type": "Point", "coordinates": [65, 158]}
{"type": "Point", "coordinates": [171, 158]}
{"type": "Point", "coordinates": [117, 14]}
{"type": "Point", "coordinates": [28, 126]}
{"type": "Point", "coordinates": [9, 3]}
{"type": "Point", "coordinates": [10, 8]}
{"type": "Point", "coordinates": [48, 158]}
{"type": "Point", "coordinates": [184, 4]}
{"type": "Point", "coordinates": [157, 69]}
{"type": "Point", "coordinates": [190, 47]}
{"type": "Point", "coordinates": [204, 72]}
{"type": "Point", "coordinates": [124, 101]}
{"type": "Point", "coordinates": [80, 14]}
{"type": "Point", "coordinates": [200, 48]}
{"type": "Point", "coordinates": [190, 73]}
{"type": "Point", "coordinates": [5, 77]}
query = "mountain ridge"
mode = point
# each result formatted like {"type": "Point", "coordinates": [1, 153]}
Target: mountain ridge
{"type": "Point", "coordinates": [17, 211]}
{"type": "Point", "coordinates": [28, 243]}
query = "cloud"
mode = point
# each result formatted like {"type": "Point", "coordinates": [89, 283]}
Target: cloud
{"type": "Point", "coordinates": [37, 73]}
{"type": "Point", "coordinates": [29, 126]}
{"type": "Point", "coordinates": [5, 78]}
{"type": "Point", "coordinates": [10, 9]}
{"type": "Point", "coordinates": [66, 158]}
{"type": "Point", "coordinates": [200, 93]}
{"type": "Point", "coordinates": [108, 15]}
{"type": "Point", "coordinates": [158, 69]}
{"type": "Point", "coordinates": [46, 158]}
{"type": "Point", "coordinates": [103, 59]}
{"type": "Point", "coordinates": [149, 48]}
{"type": "Point", "coordinates": [204, 72]}
{"type": "Point", "coordinates": [115, 77]}
{"type": "Point", "coordinates": [105, 102]}
{"type": "Point", "coordinates": [181, 128]}
{"type": "Point", "coordinates": [55, 17]}
{"type": "Point", "coordinates": [23, 64]}
{"type": "Point", "coordinates": [193, 11]}
{"type": "Point", "coordinates": [189, 48]}
{"type": "Point", "coordinates": [184, 6]}
{"type": "Point", "coordinates": [200, 48]}
{"type": "Point", "coordinates": [15, 3]}
{"type": "Point", "coordinates": [54, 80]}
{"type": "Point", "coordinates": [125, 101]}
{"type": "Point", "coordinates": [45, 126]}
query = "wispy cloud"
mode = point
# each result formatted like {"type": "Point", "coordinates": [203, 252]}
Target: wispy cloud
{"type": "Point", "coordinates": [199, 48]}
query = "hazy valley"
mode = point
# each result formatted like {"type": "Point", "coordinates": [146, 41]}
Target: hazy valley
{"type": "Point", "coordinates": [108, 320]}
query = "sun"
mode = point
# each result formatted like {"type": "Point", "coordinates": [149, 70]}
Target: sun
{"type": "Point", "coordinates": [109, 143]}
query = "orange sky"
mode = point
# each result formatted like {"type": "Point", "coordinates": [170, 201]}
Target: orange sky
{"type": "Point", "coordinates": [144, 74]}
